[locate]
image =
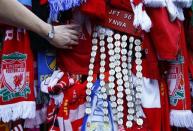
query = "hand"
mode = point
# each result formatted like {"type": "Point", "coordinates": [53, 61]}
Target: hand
{"type": "Point", "coordinates": [65, 36]}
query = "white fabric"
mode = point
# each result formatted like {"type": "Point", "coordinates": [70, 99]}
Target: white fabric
{"type": "Point", "coordinates": [23, 110]}
{"type": "Point", "coordinates": [155, 3]}
{"type": "Point", "coordinates": [51, 81]}
{"type": "Point", "coordinates": [150, 94]}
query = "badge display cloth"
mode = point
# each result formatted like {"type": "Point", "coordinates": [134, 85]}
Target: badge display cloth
{"type": "Point", "coordinates": [17, 77]}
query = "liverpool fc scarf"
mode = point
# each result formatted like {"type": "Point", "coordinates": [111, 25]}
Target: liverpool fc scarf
{"type": "Point", "coordinates": [16, 76]}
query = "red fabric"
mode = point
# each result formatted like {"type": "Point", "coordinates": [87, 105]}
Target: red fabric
{"type": "Point", "coordinates": [122, 4]}
{"type": "Point", "coordinates": [76, 61]}
{"type": "Point", "coordinates": [42, 2]}
{"type": "Point", "coordinates": [95, 8]}
{"type": "Point", "coordinates": [164, 34]}
{"type": "Point", "coordinates": [18, 71]}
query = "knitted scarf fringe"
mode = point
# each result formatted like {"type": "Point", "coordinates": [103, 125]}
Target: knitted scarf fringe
{"type": "Point", "coordinates": [20, 110]}
{"type": "Point", "coordinates": [61, 5]}
{"type": "Point", "coordinates": [181, 118]}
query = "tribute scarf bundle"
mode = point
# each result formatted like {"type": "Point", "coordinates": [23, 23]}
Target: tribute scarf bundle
{"type": "Point", "coordinates": [61, 5]}
{"type": "Point", "coordinates": [17, 78]}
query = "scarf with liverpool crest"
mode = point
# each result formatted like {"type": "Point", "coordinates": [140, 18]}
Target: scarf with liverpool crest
{"type": "Point", "coordinates": [16, 75]}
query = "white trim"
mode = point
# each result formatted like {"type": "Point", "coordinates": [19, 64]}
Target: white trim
{"type": "Point", "coordinates": [25, 109]}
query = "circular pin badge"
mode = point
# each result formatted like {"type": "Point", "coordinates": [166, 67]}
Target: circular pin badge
{"type": "Point", "coordinates": [138, 102]}
{"type": "Point", "coordinates": [117, 50]}
{"type": "Point", "coordinates": [113, 98]}
{"type": "Point", "coordinates": [93, 53]}
{"type": "Point", "coordinates": [111, 78]}
{"type": "Point", "coordinates": [102, 49]}
{"type": "Point", "coordinates": [88, 110]}
{"type": "Point", "coordinates": [102, 63]}
{"type": "Point", "coordinates": [131, 39]}
{"type": "Point", "coordinates": [92, 60]}
{"type": "Point", "coordinates": [89, 85]}
{"type": "Point", "coordinates": [102, 83]}
{"type": "Point", "coordinates": [125, 78]}
{"type": "Point", "coordinates": [114, 104]}
{"type": "Point", "coordinates": [138, 95]}
{"type": "Point", "coordinates": [123, 58]}
{"type": "Point", "coordinates": [130, 117]}
{"type": "Point", "coordinates": [120, 114]}
{"type": "Point", "coordinates": [139, 74]}
{"type": "Point", "coordinates": [130, 53]}
{"type": "Point", "coordinates": [103, 56]}
{"type": "Point", "coordinates": [120, 88]}
{"type": "Point", "coordinates": [139, 88]}
{"type": "Point", "coordinates": [119, 75]}
{"type": "Point", "coordinates": [139, 68]}
{"type": "Point", "coordinates": [117, 43]}
{"type": "Point", "coordinates": [114, 110]}
{"type": "Point", "coordinates": [131, 111]}
{"type": "Point", "coordinates": [117, 36]}
{"type": "Point", "coordinates": [117, 56]}
{"type": "Point", "coordinates": [130, 46]}
{"type": "Point", "coordinates": [102, 69]}
{"type": "Point", "coordinates": [129, 59]}
{"type": "Point", "coordinates": [120, 108]}
{"type": "Point", "coordinates": [138, 55]}
{"type": "Point", "coordinates": [94, 48]}
{"type": "Point", "coordinates": [94, 41]}
{"type": "Point", "coordinates": [89, 78]}
{"type": "Point", "coordinates": [102, 76]}
{"type": "Point", "coordinates": [137, 48]}
{"type": "Point", "coordinates": [110, 45]}
{"type": "Point", "coordinates": [124, 38]}
{"type": "Point", "coordinates": [118, 69]}
{"type": "Point", "coordinates": [120, 122]}
{"type": "Point", "coordinates": [111, 91]}
{"type": "Point", "coordinates": [112, 72]}
{"type": "Point", "coordinates": [103, 89]}
{"type": "Point", "coordinates": [102, 30]}
{"type": "Point", "coordinates": [123, 51]}
{"type": "Point", "coordinates": [112, 65]}
{"type": "Point", "coordinates": [111, 58]}
{"type": "Point", "coordinates": [139, 121]}
{"type": "Point", "coordinates": [111, 52]}
{"type": "Point", "coordinates": [126, 84]}
{"type": "Point", "coordinates": [119, 82]}
{"type": "Point", "coordinates": [120, 101]}
{"type": "Point", "coordinates": [125, 71]}
{"type": "Point", "coordinates": [129, 98]}
{"type": "Point", "coordinates": [138, 62]}
{"type": "Point", "coordinates": [90, 72]}
{"type": "Point", "coordinates": [102, 43]}
{"type": "Point", "coordinates": [104, 96]}
{"type": "Point", "coordinates": [137, 42]}
{"type": "Point", "coordinates": [109, 32]}
{"type": "Point", "coordinates": [129, 124]}
{"type": "Point", "coordinates": [106, 118]}
{"type": "Point", "coordinates": [105, 104]}
{"type": "Point", "coordinates": [88, 91]}
{"type": "Point", "coordinates": [123, 44]}
{"type": "Point", "coordinates": [88, 98]}
{"type": "Point", "coordinates": [101, 36]}
{"type": "Point", "coordinates": [120, 95]}
{"type": "Point", "coordinates": [105, 110]}
{"type": "Point", "coordinates": [94, 34]}
{"type": "Point", "coordinates": [130, 104]}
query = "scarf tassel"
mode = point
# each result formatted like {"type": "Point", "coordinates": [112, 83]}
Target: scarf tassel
{"type": "Point", "coordinates": [181, 118]}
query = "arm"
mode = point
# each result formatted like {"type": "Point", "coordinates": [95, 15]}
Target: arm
{"type": "Point", "coordinates": [14, 13]}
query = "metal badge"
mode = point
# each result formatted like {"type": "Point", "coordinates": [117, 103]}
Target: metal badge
{"type": "Point", "coordinates": [102, 69]}
{"type": "Point", "coordinates": [102, 43]}
{"type": "Point", "coordinates": [88, 110]}
{"type": "Point", "coordinates": [90, 72]}
{"type": "Point", "coordinates": [102, 49]}
{"type": "Point", "coordinates": [88, 91]}
{"type": "Point", "coordinates": [103, 56]}
{"type": "Point", "coordinates": [93, 53]}
{"type": "Point", "coordinates": [120, 108]}
{"type": "Point", "coordinates": [117, 43]}
{"type": "Point", "coordinates": [128, 97]}
{"type": "Point", "coordinates": [130, 117]}
{"type": "Point", "coordinates": [138, 55]}
{"type": "Point", "coordinates": [129, 124]}
{"type": "Point", "coordinates": [137, 42]}
{"type": "Point", "coordinates": [120, 88]}
{"type": "Point", "coordinates": [117, 36]}
{"type": "Point", "coordinates": [95, 34]}
{"type": "Point", "coordinates": [89, 78]}
{"type": "Point", "coordinates": [111, 91]}
{"type": "Point", "coordinates": [105, 110]}
{"type": "Point", "coordinates": [131, 39]}
{"type": "Point", "coordinates": [139, 121]}
{"type": "Point", "coordinates": [119, 75]}
{"type": "Point", "coordinates": [94, 48]}
{"type": "Point", "coordinates": [103, 90]}
{"type": "Point", "coordinates": [102, 76]}
{"type": "Point", "coordinates": [124, 58]}
{"type": "Point", "coordinates": [120, 101]}
{"type": "Point", "coordinates": [94, 41]}
{"type": "Point", "coordinates": [117, 50]}
{"type": "Point", "coordinates": [123, 44]}
{"type": "Point", "coordinates": [112, 72]}
{"type": "Point", "coordinates": [113, 98]}
{"type": "Point", "coordinates": [124, 38]}
{"type": "Point", "coordinates": [110, 46]}
{"type": "Point", "coordinates": [137, 48]}
{"type": "Point", "coordinates": [119, 82]}
{"type": "Point", "coordinates": [110, 39]}
{"type": "Point", "coordinates": [120, 95]}
{"type": "Point", "coordinates": [102, 63]}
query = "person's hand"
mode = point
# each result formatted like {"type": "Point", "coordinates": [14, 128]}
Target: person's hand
{"type": "Point", "coordinates": [66, 36]}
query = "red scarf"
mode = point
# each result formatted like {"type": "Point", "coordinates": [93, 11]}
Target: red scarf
{"type": "Point", "coordinates": [17, 78]}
